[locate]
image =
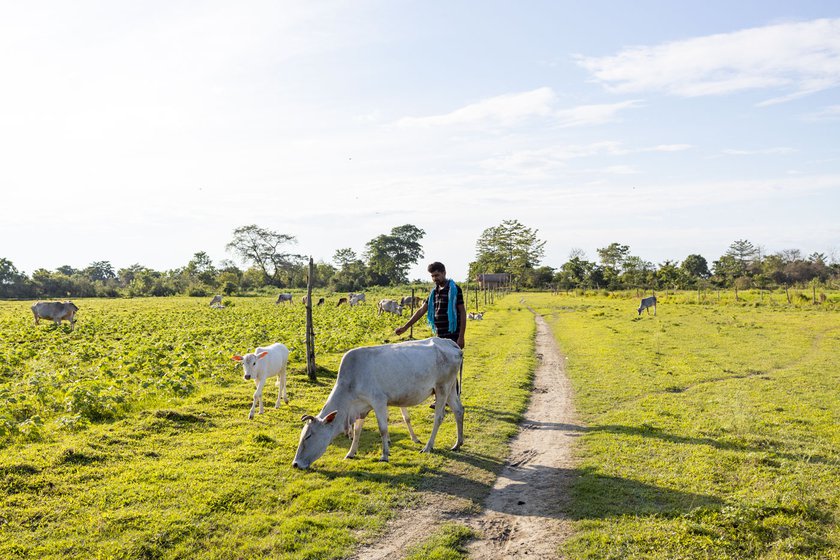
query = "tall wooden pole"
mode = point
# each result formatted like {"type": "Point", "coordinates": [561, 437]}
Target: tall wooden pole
{"type": "Point", "coordinates": [310, 332]}
{"type": "Point", "coordinates": [411, 328]}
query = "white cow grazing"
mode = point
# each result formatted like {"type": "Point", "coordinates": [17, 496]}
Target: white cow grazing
{"type": "Point", "coordinates": [408, 301]}
{"type": "Point", "coordinates": [283, 298]}
{"type": "Point", "coordinates": [475, 316]}
{"type": "Point", "coordinates": [375, 377]}
{"type": "Point", "coordinates": [261, 364]}
{"type": "Point", "coordinates": [355, 299]}
{"type": "Point", "coordinates": [390, 306]}
{"type": "Point", "coordinates": [57, 311]}
{"type": "Point", "coordinates": [647, 303]}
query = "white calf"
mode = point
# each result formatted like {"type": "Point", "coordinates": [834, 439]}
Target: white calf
{"type": "Point", "coordinates": [261, 364]}
{"type": "Point", "coordinates": [389, 306]}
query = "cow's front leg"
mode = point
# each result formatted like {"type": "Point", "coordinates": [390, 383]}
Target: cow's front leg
{"type": "Point", "coordinates": [381, 411]}
{"type": "Point", "coordinates": [357, 435]}
{"type": "Point", "coordinates": [257, 398]}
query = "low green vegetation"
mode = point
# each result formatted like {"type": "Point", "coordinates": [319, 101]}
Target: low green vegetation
{"type": "Point", "coordinates": [128, 437]}
{"type": "Point", "coordinates": [707, 431]}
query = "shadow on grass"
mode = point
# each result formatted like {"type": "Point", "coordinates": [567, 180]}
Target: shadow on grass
{"type": "Point", "coordinates": [653, 432]}
{"type": "Point", "coordinates": [591, 495]}
{"type": "Point", "coordinates": [597, 496]}
{"type": "Point", "coordinates": [504, 416]}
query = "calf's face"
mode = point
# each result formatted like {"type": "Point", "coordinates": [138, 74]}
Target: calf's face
{"type": "Point", "coordinates": [249, 363]}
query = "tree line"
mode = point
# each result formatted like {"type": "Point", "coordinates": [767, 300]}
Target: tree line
{"type": "Point", "coordinates": [268, 263]}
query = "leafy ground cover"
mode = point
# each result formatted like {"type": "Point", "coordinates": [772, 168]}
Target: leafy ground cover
{"type": "Point", "coordinates": [708, 431]}
{"type": "Point", "coordinates": [128, 437]}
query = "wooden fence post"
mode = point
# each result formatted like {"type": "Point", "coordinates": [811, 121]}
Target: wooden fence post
{"type": "Point", "coordinates": [310, 332]}
{"type": "Point", "coordinates": [411, 329]}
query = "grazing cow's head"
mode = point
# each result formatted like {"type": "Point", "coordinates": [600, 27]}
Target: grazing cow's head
{"type": "Point", "coordinates": [314, 439]}
{"type": "Point", "coordinates": [249, 363]}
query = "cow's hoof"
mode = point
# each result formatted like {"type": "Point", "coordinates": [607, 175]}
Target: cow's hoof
{"type": "Point", "coordinates": [350, 456]}
{"type": "Point", "coordinates": [383, 459]}
{"type": "Point", "coordinates": [456, 447]}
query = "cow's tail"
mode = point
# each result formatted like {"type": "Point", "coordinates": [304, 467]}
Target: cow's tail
{"type": "Point", "coordinates": [460, 377]}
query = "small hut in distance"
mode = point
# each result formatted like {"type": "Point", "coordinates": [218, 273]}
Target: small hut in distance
{"type": "Point", "coordinates": [493, 281]}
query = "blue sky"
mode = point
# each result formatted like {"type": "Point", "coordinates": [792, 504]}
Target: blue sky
{"type": "Point", "coordinates": [146, 132]}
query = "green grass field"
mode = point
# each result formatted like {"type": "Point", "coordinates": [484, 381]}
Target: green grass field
{"type": "Point", "coordinates": [708, 431]}
{"type": "Point", "coordinates": [129, 437]}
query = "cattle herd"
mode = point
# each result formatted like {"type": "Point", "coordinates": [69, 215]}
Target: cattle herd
{"type": "Point", "coordinates": [369, 378]}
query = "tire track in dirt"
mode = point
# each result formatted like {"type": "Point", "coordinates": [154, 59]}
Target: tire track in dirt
{"type": "Point", "coordinates": [524, 515]}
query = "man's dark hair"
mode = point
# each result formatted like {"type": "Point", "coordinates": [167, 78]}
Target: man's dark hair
{"type": "Point", "coordinates": [436, 267]}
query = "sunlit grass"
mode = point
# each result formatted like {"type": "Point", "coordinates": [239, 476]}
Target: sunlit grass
{"type": "Point", "coordinates": [711, 431]}
{"type": "Point", "coordinates": [156, 457]}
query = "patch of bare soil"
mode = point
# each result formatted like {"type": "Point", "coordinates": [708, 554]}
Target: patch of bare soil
{"type": "Point", "coordinates": [524, 514]}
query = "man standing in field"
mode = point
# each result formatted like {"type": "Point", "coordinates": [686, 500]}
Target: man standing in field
{"type": "Point", "coordinates": [444, 309]}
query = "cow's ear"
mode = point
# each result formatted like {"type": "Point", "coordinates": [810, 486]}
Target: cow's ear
{"type": "Point", "coordinates": [237, 358]}
{"type": "Point", "coordinates": [262, 355]}
{"type": "Point", "coordinates": [330, 417]}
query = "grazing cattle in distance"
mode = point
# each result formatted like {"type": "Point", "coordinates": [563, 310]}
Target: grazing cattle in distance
{"type": "Point", "coordinates": [261, 364]}
{"type": "Point", "coordinates": [56, 311]}
{"type": "Point", "coordinates": [304, 300]}
{"type": "Point", "coordinates": [340, 301]}
{"type": "Point", "coordinates": [375, 377]}
{"type": "Point", "coordinates": [389, 306]}
{"type": "Point", "coordinates": [475, 316]}
{"type": "Point", "coordinates": [409, 301]}
{"type": "Point", "coordinates": [355, 299]}
{"type": "Point", "coordinates": [647, 303]}
{"type": "Point", "coordinates": [283, 298]}
{"type": "Point", "coordinates": [217, 300]}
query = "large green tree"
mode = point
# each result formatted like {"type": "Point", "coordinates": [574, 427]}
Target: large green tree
{"type": "Point", "coordinates": [100, 271]}
{"type": "Point", "coordinates": [696, 267]}
{"type": "Point", "coordinates": [201, 268]}
{"type": "Point", "coordinates": [12, 282]}
{"type": "Point", "coordinates": [743, 252]}
{"type": "Point", "coordinates": [262, 248]}
{"type": "Point", "coordinates": [389, 256]}
{"type": "Point", "coordinates": [510, 247]}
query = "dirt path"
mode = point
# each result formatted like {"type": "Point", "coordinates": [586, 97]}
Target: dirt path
{"type": "Point", "coordinates": [523, 516]}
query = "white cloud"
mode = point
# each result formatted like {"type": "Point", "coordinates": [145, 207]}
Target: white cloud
{"type": "Point", "coordinates": [503, 109]}
{"type": "Point", "coordinates": [541, 162]}
{"type": "Point", "coordinates": [830, 113]}
{"type": "Point", "coordinates": [515, 108]}
{"type": "Point", "coordinates": [800, 58]}
{"type": "Point", "coordinates": [586, 115]}
{"type": "Point", "coordinates": [781, 151]}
